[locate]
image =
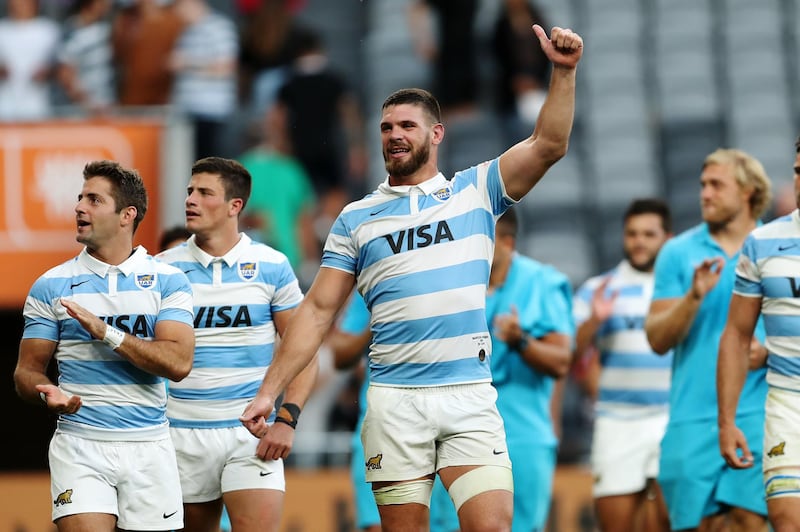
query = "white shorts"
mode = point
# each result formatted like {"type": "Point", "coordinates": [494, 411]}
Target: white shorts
{"type": "Point", "coordinates": [215, 461]}
{"type": "Point", "coordinates": [625, 453]}
{"type": "Point", "coordinates": [781, 449]}
{"type": "Point", "coordinates": [136, 481]}
{"type": "Point", "coordinates": [412, 432]}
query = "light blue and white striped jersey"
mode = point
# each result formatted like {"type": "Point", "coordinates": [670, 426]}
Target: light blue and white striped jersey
{"type": "Point", "coordinates": [421, 255]}
{"type": "Point", "coordinates": [235, 297]}
{"type": "Point", "coordinates": [769, 267]}
{"type": "Point", "coordinates": [120, 401]}
{"type": "Point", "coordinates": [634, 380]}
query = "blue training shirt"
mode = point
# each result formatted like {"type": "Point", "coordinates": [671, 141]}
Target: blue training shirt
{"type": "Point", "coordinates": [693, 394]}
{"type": "Point", "coordinates": [543, 298]}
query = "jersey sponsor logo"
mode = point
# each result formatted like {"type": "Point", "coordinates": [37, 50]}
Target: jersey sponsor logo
{"type": "Point", "coordinates": [224, 316]}
{"type": "Point", "coordinates": [443, 194]}
{"type": "Point", "coordinates": [247, 270]}
{"type": "Point", "coordinates": [165, 515]}
{"type": "Point", "coordinates": [145, 281]}
{"type": "Point", "coordinates": [374, 462]}
{"type": "Point", "coordinates": [73, 285]}
{"type": "Point", "coordinates": [795, 288]}
{"type": "Point", "coordinates": [419, 237]}
{"type": "Point", "coordinates": [65, 497]}
{"type": "Point", "coordinates": [135, 325]}
{"type": "Point", "coordinates": [778, 450]}
{"type": "Point", "coordinates": [784, 247]}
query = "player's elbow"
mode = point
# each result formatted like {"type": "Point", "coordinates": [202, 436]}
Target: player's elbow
{"type": "Point", "coordinates": [658, 343]}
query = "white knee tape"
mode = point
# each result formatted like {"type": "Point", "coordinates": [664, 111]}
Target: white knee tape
{"type": "Point", "coordinates": [480, 480]}
{"type": "Point", "coordinates": [418, 491]}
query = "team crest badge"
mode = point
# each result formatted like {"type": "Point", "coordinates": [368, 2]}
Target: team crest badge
{"type": "Point", "coordinates": [248, 270]}
{"type": "Point", "coordinates": [145, 281]}
{"type": "Point", "coordinates": [443, 194]}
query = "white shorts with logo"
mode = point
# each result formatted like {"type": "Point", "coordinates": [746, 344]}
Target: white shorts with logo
{"type": "Point", "coordinates": [215, 461]}
{"type": "Point", "coordinates": [412, 432]}
{"type": "Point", "coordinates": [625, 453]}
{"type": "Point", "coordinates": [135, 480]}
{"type": "Point", "coordinates": [782, 444]}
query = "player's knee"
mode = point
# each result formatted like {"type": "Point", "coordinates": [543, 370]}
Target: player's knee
{"type": "Point", "coordinates": [480, 480]}
{"type": "Point", "coordinates": [415, 491]}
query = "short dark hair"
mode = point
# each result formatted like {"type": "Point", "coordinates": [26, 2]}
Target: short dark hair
{"type": "Point", "coordinates": [797, 145]}
{"type": "Point", "coordinates": [650, 206]}
{"type": "Point", "coordinates": [508, 223]}
{"type": "Point", "coordinates": [178, 232]}
{"type": "Point", "coordinates": [127, 187]}
{"type": "Point", "coordinates": [419, 97]}
{"type": "Point", "coordinates": [236, 180]}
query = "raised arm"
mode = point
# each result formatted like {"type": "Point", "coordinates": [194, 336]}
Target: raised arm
{"type": "Point", "coordinates": [524, 164]}
{"type": "Point", "coordinates": [669, 320]}
{"type": "Point", "coordinates": [732, 365]}
{"type": "Point", "coordinates": [169, 354]}
{"type": "Point", "coordinates": [304, 334]}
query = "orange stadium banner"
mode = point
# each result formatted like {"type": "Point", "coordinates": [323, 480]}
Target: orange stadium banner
{"type": "Point", "coordinates": [41, 169]}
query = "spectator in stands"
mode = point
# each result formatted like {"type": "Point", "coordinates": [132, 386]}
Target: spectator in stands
{"type": "Point", "coordinates": [204, 63]}
{"type": "Point", "coordinates": [85, 56]}
{"type": "Point", "coordinates": [450, 47]}
{"type": "Point", "coordinates": [694, 279]}
{"type": "Point", "coordinates": [143, 33]}
{"type": "Point", "coordinates": [323, 120]}
{"type": "Point", "coordinates": [630, 381]}
{"type": "Point", "coordinates": [766, 286]}
{"type": "Point", "coordinates": [269, 41]}
{"type": "Point", "coordinates": [27, 53]}
{"type": "Point", "coordinates": [522, 72]}
{"type": "Point", "coordinates": [282, 203]}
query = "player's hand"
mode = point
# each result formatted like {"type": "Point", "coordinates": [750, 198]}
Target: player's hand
{"type": "Point", "coordinates": [93, 325]}
{"type": "Point", "coordinates": [506, 327]}
{"type": "Point", "coordinates": [254, 417]}
{"type": "Point", "coordinates": [602, 306]}
{"type": "Point", "coordinates": [563, 48]}
{"type": "Point", "coordinates": [58, 401]}
{"type": "Point", "coordinates": [276, 442]}
{"type": "Point", "coordinates": [731, 442]}
{"type": "Point", "coordinates": [706, 275]}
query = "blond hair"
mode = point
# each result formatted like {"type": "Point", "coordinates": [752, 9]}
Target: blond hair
{"type": "Point", "coordinates": [749, 174]}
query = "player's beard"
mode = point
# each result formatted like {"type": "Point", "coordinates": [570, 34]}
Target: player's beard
{"type": "Point", "coordinates": [646, 266]}
{"type": "Point", "coordinates": [419, 156]}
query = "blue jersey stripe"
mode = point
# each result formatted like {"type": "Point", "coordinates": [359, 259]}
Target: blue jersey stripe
{"type": "Point", "coordinates": [615, 359]}
{"type": "Point", "coordinates": [635, 397]}
{"type": "Point", "coordinates": [235, 391]}
{"type": "Point", "coordinates": [414, 284]}
{"type": "Point", "coordinates": [118, 417]}
{"type": "Point", "coordinates": [430, 374]}
{"type": "Point", "coordinates": [224, 356]}
{"type": "Point", "coordinates": [435, 328]}
{"type": "Point", "coordinates": [108, 372]}
{"type": "Point", "coordinates": [782, 325]}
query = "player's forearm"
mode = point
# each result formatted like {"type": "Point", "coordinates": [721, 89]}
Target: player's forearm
{"type": "Point", "coordinates": [166, 358]}
{"type": "Point", "coordinates": [299, 389]}
{"type": "Point", "coordinates": [550, 355]}
{"type": "Point", "coordinates": [667, 327]}
{"type": "Point", "coordinates": [554, 124]}
{"type": "Point", "coordinates": [732, 366]}
{"type": "Point", "coordinates": [25, 382]}
{"type": "Point", "coordinates": [584, 337]}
